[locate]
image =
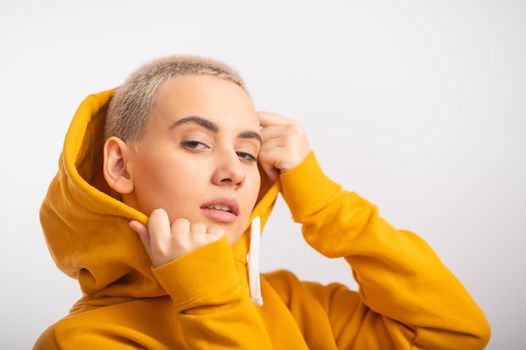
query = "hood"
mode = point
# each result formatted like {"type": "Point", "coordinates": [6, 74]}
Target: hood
{"type": "Point", "coordinates": [86, 225]}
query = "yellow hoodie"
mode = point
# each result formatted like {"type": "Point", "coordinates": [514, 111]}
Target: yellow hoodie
{"type": "Point", "coordinates": [407, 298]}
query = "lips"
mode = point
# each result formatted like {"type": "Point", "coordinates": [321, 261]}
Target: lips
{"type": "Point", "coordinates": [232, 205]}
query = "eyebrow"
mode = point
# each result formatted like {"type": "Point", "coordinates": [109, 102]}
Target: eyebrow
{"type": "Point", "coordinates": [207, 124]}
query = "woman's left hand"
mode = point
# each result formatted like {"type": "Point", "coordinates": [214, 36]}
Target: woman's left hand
{"type": "Point", "coordinates": [284, 145]}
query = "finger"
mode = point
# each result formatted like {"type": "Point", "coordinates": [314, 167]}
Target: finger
{"type": "Point", "coordinates": [273, 131]}
{"type": "Point", "coordinates": [180, 238]}
{"type": "Point", "coordinates": [215, 231]}
{"type": "Point", "coordinates": [159, 227]}
{"type": "Point", "coordinates": [281, 158]}
{"type": "Point", "coordinates": [269, 169]}
{"type": "Point", "coordinates": [197, 228]}
{"type": "Point", "coordinates": [142, 232]}
{"type": "Point", "coordinates": [268, 118]}
{"type": "Point", "coordinates": [181, 229]}
{"type": "Point", "coordinates": [283, 143]}
{"type": "Point", "coordinates": [198, 233]}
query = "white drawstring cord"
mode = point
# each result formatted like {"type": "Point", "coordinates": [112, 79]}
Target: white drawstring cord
{"type": "Point", "coordinates": [253, 262]}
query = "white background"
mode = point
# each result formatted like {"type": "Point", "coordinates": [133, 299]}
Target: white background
{"type": "Point", "coordinates": [418, 106]}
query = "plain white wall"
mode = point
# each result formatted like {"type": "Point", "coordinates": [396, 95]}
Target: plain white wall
{"type": "Point", "coordinates": [419, 106]}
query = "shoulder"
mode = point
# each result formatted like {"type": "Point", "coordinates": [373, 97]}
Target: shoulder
{"type": "Point", "coordinates": [124, 325]}
{"type": "Point", "coordinates": [285, 280]}
{"type": "Point", "coordinates": [281, 279]}
{"type": "Point", "coordinates": [46, 340]}
{"type": "Point", "coordinates": [285, 283]}
{"type": "Point", "coordinates": [289, 286]}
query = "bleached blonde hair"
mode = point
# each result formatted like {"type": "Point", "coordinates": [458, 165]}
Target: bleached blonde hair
{"type": "Point", "coordinates": [133, 101]}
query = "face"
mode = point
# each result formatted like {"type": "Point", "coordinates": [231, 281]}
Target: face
{"type": "Point", "coordinates": [200, 145]}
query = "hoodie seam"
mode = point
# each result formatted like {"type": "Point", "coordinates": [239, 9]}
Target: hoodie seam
{"type": "Point", "coordinates": [316, 205]}
{"type": "Point", "coordinates": [231, 282]}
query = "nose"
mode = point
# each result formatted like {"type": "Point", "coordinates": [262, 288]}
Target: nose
{"type": "Point", "coordinates": [229, 171]}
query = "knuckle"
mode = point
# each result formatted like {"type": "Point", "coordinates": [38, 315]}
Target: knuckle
{"type": "Point", "coordinates": [296, 129]}
{"type": "Point", "coordinates": [198, 228]}
{"type": "Point", "coordinates": [197, 242]}
{"type": "Point", "coordinates": [181, 221]}
{"type": "Point", "coordinates": [181, 245]}
{"type": "Point", "coordinates": [185, 246]}
{"type": "Point", "coordinates": [215, 229]}
{"type": "Point", "coordinates": [180, 225]}
{"type": "Point", "coordinates": [161, 251]}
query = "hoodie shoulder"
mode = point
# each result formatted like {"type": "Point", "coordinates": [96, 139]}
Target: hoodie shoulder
{"type": "Point", "coordinates": [287, 285]}
{"type": "Point", "coordinates": [47, 341]}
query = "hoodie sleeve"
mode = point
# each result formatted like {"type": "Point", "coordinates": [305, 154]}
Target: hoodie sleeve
{"type": "Point", "coordinates": [205, 290]}
{"type": "Point", "coordinates": [407, 298]}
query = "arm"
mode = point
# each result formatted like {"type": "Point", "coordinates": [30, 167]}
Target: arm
{"type": "Point", "coordinates": [195, 265]}
{"type": "Point", "coordinates": [205, 291]}
{"type": "Point", "coordinates": [406, 295]}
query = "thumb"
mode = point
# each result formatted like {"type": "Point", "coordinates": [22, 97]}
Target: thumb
{"type": "Point", "coordinates": [142, 232]}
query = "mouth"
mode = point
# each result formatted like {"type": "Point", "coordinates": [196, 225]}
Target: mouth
{"type": "Point", "coordinates": [224, 210]}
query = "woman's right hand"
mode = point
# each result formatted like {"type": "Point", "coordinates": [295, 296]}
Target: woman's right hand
{"type": "Point", "coordinates": [164, 242]}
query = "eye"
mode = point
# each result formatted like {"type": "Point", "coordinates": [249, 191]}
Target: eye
{"type": "Point", "coordinates": [194, 145]}
{"type": "Point", "coordinates": [247, 156]}
{"type": "Point", "coordinates": [200, 146]}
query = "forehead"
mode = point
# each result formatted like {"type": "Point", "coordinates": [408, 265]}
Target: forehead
{"type": "Point", "coordinates": [216, 99]}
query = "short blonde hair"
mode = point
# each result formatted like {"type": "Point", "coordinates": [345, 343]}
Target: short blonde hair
{"type": "Point", "coordinates": [134, 100]}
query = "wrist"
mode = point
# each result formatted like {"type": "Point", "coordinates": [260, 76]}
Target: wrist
{"type": "Point", "coordinates": [195, 277]}
{"type": "Point", "coordinates": [305, 187]}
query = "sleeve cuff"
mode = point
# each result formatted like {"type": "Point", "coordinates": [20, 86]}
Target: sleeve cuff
{"type": "Point", "coordinates": [201, 274]}
{"type": "Point", "coordinates": [305, 187]}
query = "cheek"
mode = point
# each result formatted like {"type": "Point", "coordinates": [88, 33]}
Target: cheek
{"type": "Point", "coordinates": [163, 181]}
{"type": "Point", "coordinates": [252, 187]}
{"type": "Point", "coordinates": [257, 183]}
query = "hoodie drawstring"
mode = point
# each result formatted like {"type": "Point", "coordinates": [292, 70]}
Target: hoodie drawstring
{"type": "Point", "coordinates": [253, 262]}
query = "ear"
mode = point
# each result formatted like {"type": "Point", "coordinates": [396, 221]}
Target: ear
{"type": "Point", "coordinates": [117, 164]}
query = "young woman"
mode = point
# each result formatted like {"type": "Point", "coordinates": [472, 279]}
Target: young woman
{"type": "Point", "coordinates": [164, 187]}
